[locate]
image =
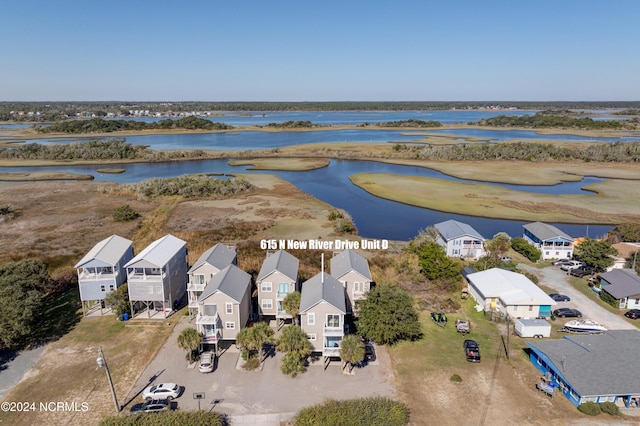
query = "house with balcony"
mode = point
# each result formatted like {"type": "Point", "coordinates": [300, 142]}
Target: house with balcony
{"type": "Point", "coordinates": [352, 270]}
{"type": "Point", "coordinates": [208, 264]}
{"type": "Point", "coordinates": [224, 307]}
{"type": "Point", "coordinates": [322, 313]}
{"type": "Point", "coordinates": [277, 278]}
{"type": "Point", "coordinates": [157, 276]}
{"type": "Point", "coordinates": [621, 288]}
{"type": "Point", "coordinates": [101, 271]}
{"type": "Point", "coordinates": [460, 240]}
{"type": "Point", "coordinates": [552, 242]}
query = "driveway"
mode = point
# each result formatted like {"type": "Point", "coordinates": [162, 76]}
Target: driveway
{"type": "Point", "coordinates": [236, 392]}
{"type": "Point", "coordinates": [557, 279]}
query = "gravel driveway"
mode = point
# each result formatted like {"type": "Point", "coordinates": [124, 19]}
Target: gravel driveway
{"type": "Point", "coordinates": [555, 278]}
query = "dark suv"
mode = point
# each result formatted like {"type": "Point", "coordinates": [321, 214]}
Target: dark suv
{"type": "Point", "coordinates": [472, 350]}
{"type": "Point", "coordinates": [582, 271]}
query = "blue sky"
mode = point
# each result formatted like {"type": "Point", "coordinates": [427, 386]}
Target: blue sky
{"type": "Point", "coordinates": [320, 50]}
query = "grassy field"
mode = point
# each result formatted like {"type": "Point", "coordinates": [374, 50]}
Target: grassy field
{"type": "Point", "coordinates": [610, 204]}
{"type": "Point", "coordinates": [285, 164]}
{"type": "Point", "coordinates": [34, 176]}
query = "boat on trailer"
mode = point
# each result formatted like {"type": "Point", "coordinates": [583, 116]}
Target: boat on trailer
{"type": "Point", "coordinates": [585, 326]}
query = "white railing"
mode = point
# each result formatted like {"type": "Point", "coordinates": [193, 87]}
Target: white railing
{"type": "Point", "coordinates": [195, 287]}
{"type": "Point", "coordinates": [207, 319]}
{"type": "Point", "coordinates": [333, 331]}
{"type": "Point", "coordinates": [332, 351]}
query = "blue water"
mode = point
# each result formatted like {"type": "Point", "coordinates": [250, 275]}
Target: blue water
{"type": "Point", "coordinates": [374, 217]}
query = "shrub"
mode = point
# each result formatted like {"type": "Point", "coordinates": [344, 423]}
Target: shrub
{"type": "Point", "coordinates": [456, 378]}
{"type": "Point", "coordinates": [523, 247]}
{"type": "Point", "coordinates": [335, 214]}
{"type": "Point", "coordinates": [610, 408]}
{"type": "Point", "coordinates": [589, 408]}
{"type": "Point", "coordinates": [373, 411]}
{"type": "Point", "coordinates": [125, 213]}
{"type": "Point", "coordinates": [251, 363]}
{"type": "Point", "coordinates": [178, 417]}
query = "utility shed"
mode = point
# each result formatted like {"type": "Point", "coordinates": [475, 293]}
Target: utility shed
{"type": "Point", "coordinates": [596, 367]}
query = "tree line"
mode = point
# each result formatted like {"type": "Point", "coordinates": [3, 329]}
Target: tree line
{"type": "Point", "coordinates": [100, 125]}
{"type": "Point", "coordinates": [545, 120]}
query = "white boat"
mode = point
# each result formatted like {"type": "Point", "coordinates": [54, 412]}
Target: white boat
{"type": "Point", "coordinates": [583, 326]}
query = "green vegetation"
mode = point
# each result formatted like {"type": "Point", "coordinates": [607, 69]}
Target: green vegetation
{"type": "Point", "coordinates": [189, 339]}
{"type": "Point", "coordinates": [292, 125]}
{"type": "Point", "coordinates": [523, 247]}
{"type": "Point", "coordinates": [190, 186]}
{"type": "Point", "coordinates": [435, 264]}
{"type": "Point", "coordinates": [589, 408]}
{"type": "Point", "coordinates": [108, 149]}
{"type": "Point", "coordinates": [296, 347]}
{"type": "Point", "coordinates": [410, 123]}
{"type": "Point", "coordinates": [99, 125]}
{"type": "Point", "coordinates": [387, 315]}
{"type": "Point", "coordinates": [291, 305]}
{"type": "Point", "coordinates": [125, 213]}
{"type": "Point", "coordinates": [609, 408]}
{"type": "Point", "coordinates": [373, 411]}
{"type": "Point", "coordinates": [118, 301]}
{"type": "Point", "coordinates": [8, 212]}
{"type": "Point", "coordinates": [342, 222]}
{"type": "Point", "coordinates": [352, 350]}
{"type": "Point", "coordinates": [252, 341]}
{"type": "Point", "coordinates": [455, 378]}
{"type": "Point", "coordinates": [539, 121]}
{"type": "Point", "coordinates": [595, 253]}
{"type": "Point", "coordinates": [627, 112]}
{"type": "Point", "coordinates": [169, 418]}
{"type": "Point", "coordinates": [626, 232]}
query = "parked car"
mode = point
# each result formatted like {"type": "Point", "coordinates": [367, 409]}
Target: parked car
{"type": "Point", "coordinates": [560, 262]}
{"type": "Point", "coordinates": [571, 265]}
{"type": "Point", "coordinates": [567, 312]}
{"type": "Point", "coordinates": [633, 314]}
{"type": "Point", "coordinates": [161, 391]}
{"type": "Point", "coordinates": [582, 271]}
{"type": "Point", "coordinates": [369, 353]}
{"type": "Point", "coordinates": [152, 406]}
{"type": "Point", "coordinates": [560, 297]}
{"type": "Point", "coordinates": [206, 362]}
{"type": "Point", "coordinates": [471, 350]}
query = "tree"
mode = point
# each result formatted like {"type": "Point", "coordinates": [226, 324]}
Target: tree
{"type": "Point", "coordinates": [499, 244]}
{"type": "Point", "coordinates": [387, 315]}
{"type": "Point", "coordinates": [352, 350]}
{"type": "Point", "coordinates": [523, 247]}
{"type": "Point", "coordinates": [435, 264]}
{"type": "Point", "coordinates": [189, 339]}
{"type": "Point", "coordinates": [291, 305]}
{"type": "Point", "coordinates": [253, 339]}
{"type": "Point", "coordinates": [125, 213]}
{"type": "Point", "coordinates": [595, 253]}
{"type": "Point", "coordinates": [118, 300]}
{"type": "Point", "coordinates": [294, 343]}
{"type": "Point", "coordinates": [23, 286]}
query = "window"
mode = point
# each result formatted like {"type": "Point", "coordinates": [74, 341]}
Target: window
{"type": "Point", "coordinates": [102, 288]}
{"type": "Point", "coordinates": [158, 290]}
{"type": "Point", "coordinates": [311, 318]}
{"type": "Point", "coordinates": [530, 308]}
{"type": "Point", "coordinates": [229, 308]}
{"type": "Point", "coordinates": [111, 287]}
{"type": "Point", "coordinates": [333, 320]}
{"type": "Point", "coordinates": [359, 287]}
{"type": "Point", "coordinates": [283, 288]}
{"type": "Point", "coordinates": [311, 337]}
{"type": "Point", "coordinates": [267, 304]}
{"type": "Point", "coordinates": [198, 279]}
{"type": "Point", "coordinates": [266, 287]}
{"type": "Point", "coordinates": [229, 325]}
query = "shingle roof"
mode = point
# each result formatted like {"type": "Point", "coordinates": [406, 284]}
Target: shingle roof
{"type": "Point", "coordinates": [599, 364]}
{"type": "Point", "coordinates": [322, 286]}
{"type": "Point", "coordinates": [622, 283]}
{"type": "Point", "coordinates": [107, 252]}
{"type": "Point", "coordinates": [348, 260]}
{"type": "Point", "coordinates": [545, 232]}
{"type": "Point", "coordinates": [281, 261]}
{"type": "Point", "coordinates": [219, 256]}
{"type": "Point", "coordinates": [231, 281]}
{"type": "Point", "coordinates": [158, 253]}
{"type": "Point", "coordinates": [512, 288]}
{"type": "Point", "coordinates": [452, 229]}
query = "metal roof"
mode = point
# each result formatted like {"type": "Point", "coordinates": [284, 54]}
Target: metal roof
{"type": "Point", "coordinates": [322, 287]}
{"type": "Point", "coordinates": [545, 232]}
{"type": "Point", "coordinates": [597, 364]}
{"type": "Point", "coordinates": [219, 256]}
{"type": "Point", "coordinates": [280, 261]}
{"type": "Point", "coordinates": [231, 281]}
{"type": "Point", "coordinates": [158, 253]}
{"type": "Point", "coordinates": [512, 288]}
{"type": "Point", "coordinates": [452, 229]}
{"type": "Point", "coordinates": [622, 283]}
{"type": "Point", "coordinates": [108, 251]}
{"type": "Point", "coordinates": [347, 261]}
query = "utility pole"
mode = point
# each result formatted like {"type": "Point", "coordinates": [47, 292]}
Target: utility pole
{"type": "Point", "coordinates": [103, 363]}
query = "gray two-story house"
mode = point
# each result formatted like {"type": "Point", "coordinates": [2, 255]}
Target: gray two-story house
{"type": "Point", "coordinates": [352, 270]}
{"type": "Point", "coordinates": [208, 264]}
{"type": "Point", "coordinates": [552, 242]}
{"type": "Point", "coordinates": [224, 307]}
{"type": "Point", "coordinates": [460, 239]}
{"type": "Point", "coordinates": [157, 276]}
{"type": "Point", "coordinates": [322, 312]}
{"type": "Point", "coordinates": [101, 270]}
{"type": "Point", "coordinates": [277, 278]}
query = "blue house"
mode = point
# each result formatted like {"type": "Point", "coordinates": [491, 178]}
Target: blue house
{"type": "Point", "coordinates": [596, 368]}
{"type": "Point", "coordinates": [552, 242]}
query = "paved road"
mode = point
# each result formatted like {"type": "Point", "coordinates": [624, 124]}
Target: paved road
{"type": "Point", "coordinates": [557, 279]}
{"type": "Point", "coordinates": [13, 367]}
